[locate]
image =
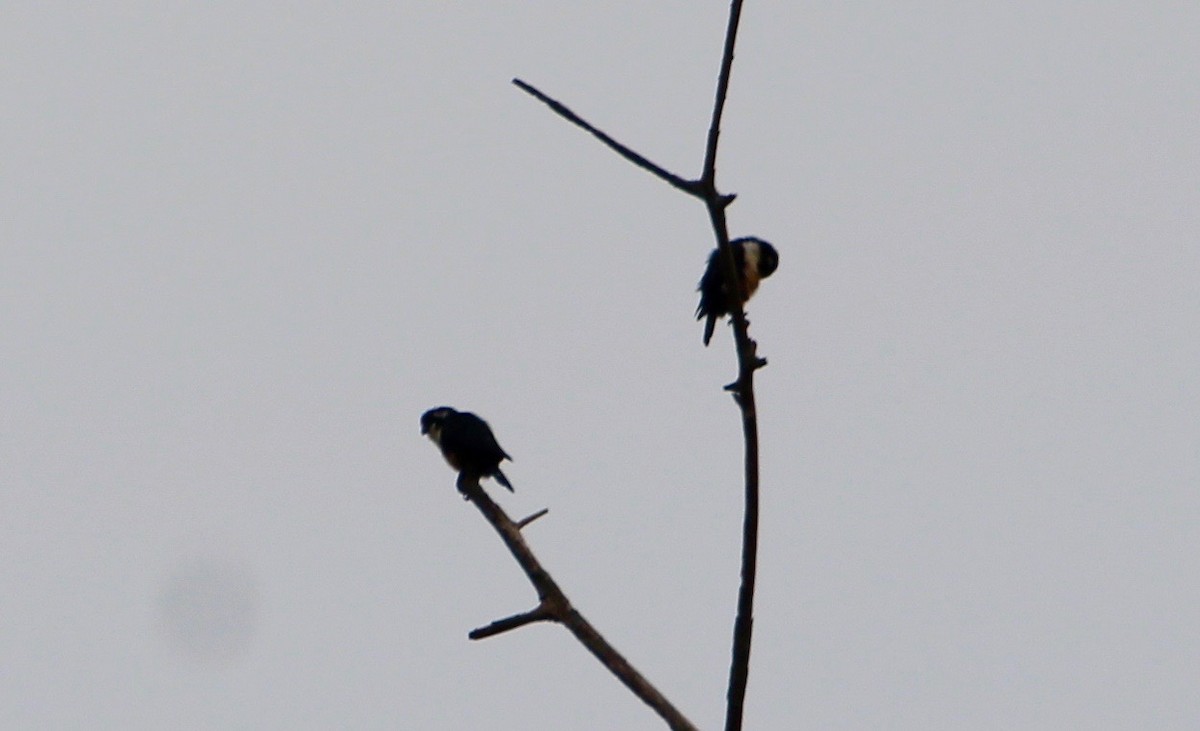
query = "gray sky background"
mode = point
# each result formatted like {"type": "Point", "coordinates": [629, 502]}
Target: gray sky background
{"type": "Point", "coordinates": [244, 247]}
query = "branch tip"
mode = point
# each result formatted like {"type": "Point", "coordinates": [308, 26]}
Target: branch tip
{"type": "Point", "coordinates": [526, 521]}
{"type": "Point", "coordinates": [538, 614]}
{"type": "Point", "coordinates": [687, 186]}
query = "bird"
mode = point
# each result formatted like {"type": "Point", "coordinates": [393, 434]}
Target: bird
{"type": "Point", "coordinates": [755, 259]}
{"type": "Point", "coordinates": [467, 443]}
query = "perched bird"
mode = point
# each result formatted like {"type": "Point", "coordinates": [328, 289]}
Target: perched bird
{"type": "Point", "coordinates": [467, 443]}
{"type": "Point", "coordinates": [755, 259]}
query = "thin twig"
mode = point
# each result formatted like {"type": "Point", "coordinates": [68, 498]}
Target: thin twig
{"type": "Point", "coordinates": [553, 603]}
{"type": "Point", "coordinates": [538, 614]}
{"type": "Point", "coordinates": [691, 187]}
{"type": "Point", "coordinates": [526, 521]}
{"type": "Point", "coordinates": [714, 128]}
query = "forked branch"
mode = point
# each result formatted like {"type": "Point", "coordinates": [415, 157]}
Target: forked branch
{"type": "Point", "coordinates": [743, 392]}
{"type": "Point", "coordinates": [553, 606]}
{"type": "Point", "coordinates": [705, 188]}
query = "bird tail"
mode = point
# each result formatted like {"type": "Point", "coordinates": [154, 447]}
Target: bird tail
{"type": "Point", "coordinates": [503, 480]}
{"type": "Point", "coordinates": [709, 326]}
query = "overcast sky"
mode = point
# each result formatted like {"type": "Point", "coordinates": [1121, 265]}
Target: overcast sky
{"type": "Point", "coordinates": [244, 247]}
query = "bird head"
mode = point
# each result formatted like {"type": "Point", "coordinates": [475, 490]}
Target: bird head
{"type": "Point", "coordinates": [759, 254]}
{"type": "Point", "coordinates": [432, 420]}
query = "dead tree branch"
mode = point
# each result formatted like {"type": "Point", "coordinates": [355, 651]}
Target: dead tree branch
{"type": "Point", "coordinates": [748, 363]}
{"type": "Point", "coordinates": [705, 188]}
{"type": "Point", "coordinates": [688, 186]}
{"type": "Point", "coordinates": [553, 606]}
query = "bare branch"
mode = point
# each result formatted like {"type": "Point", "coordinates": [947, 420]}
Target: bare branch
{"type": "Point", "coordinates": [691, 187]}
{"type": "Point", "coordinates": [714, 128]}
{"type": "Point", "coordinates": [739, 670]}
{"type": "Point", "coordinates": [538, 614]}
{"type": "Point", "coordinates": [748, 359]}
{"type": "Point", "coordinates": [743, 393]}
{"type": "Point", "coordinates": [555, 606]}
{"type": "Point", "coordinates": [526, 521]}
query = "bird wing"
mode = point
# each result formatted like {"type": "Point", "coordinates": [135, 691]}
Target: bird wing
{"type": "Point", "coordinates": [471, 435]}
